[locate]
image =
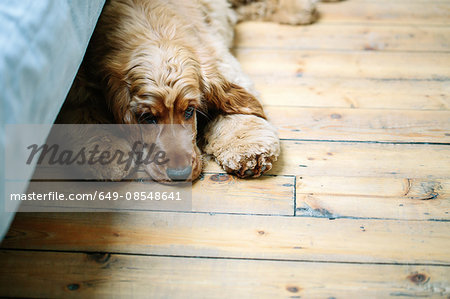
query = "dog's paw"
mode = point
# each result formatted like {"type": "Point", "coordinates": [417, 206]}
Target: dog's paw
{"type": "Point", "coordinates": [244, 145]}
{"type": "Point", "coordinates": [296, 12]}
{"type": "Point", "coordinates": [110, 169]}
{"type": "Point", "coordinates": [245, 166]}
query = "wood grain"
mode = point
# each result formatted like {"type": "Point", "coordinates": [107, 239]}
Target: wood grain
{"type": "Point", "coordinates": [374, 65]}
{"type": "Point", "coordinates": [237, 236]}
{"type": "Point", "coordinates": [213, 193]}
{"type": "Point", "coordinates": [353, 92]}
{"type": "Point", "coordinates": [75, 275]}
{"type": "Point", "coordinates": [353, 159]}
{"type": "Point", "coordinates": [272, 195]}
{"type": "Point", "coordinates": [359, 197]}
{"type": "Point", "coordinates": [371, 218]}
{"type": "Point", "coordinates": [386, 12]}
{"type": "Point", "coordinates": [361, 125]}
{"type": "Point", "coordinates": [346, 37]}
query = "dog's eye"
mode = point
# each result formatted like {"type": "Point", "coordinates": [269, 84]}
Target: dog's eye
{"type": "Point", "coordinates": [189, 112]}
{"type": "Point", "coordinates": [147, 118]}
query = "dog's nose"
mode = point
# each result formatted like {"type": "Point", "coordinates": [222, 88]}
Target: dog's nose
{"type": "Point", "coordinates": [179, 174]}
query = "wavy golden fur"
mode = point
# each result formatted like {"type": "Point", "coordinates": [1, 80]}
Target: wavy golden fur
{"type": "Point", "coordinates": [159, 60]}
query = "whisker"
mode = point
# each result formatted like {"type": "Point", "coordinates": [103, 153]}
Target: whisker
{"type": "Point", "coordinates": [204, 114]}
{"type": "Point", "coordinates": [140, 117]}
{"type": "Point", "coordinates": [147, 118]}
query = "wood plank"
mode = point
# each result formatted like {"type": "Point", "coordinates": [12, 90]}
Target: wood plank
{"type": "Point", "coordinates": [351, 159]}
{"type": "Point", "coordinates": [270, 195]}
{"type": "Point", "coordinates": [409, 199]}
{"type": "Point", "coordinates": [353, 92]}
{"type": "Point", "coordinates": [53, 274]}
{"type": "Point", "coordinates": [237, 236]}
{"type": "Point", "coordinates": [342, 37]}
{"type": "Point", "coordinates": [362, 2]}
{"type": "Point", "coordinates": [385, 12]}
{"type": "Point", "coordinates": [374, 65]}
{"type": "Point", "coordinates": [361, 125]}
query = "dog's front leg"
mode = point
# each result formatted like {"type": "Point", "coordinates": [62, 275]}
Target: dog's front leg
{"type": "Point", "coordinates": [292, 12]}
{"type": "Point", "coordinates": [244, 145]}
{"type": "Point", "coordinates": [241, 140]}
{"type": "Point", "coordinates": [239, 137]}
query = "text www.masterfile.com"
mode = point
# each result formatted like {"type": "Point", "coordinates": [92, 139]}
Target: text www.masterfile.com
{"type": "Point", "coordinates": [97, 195]}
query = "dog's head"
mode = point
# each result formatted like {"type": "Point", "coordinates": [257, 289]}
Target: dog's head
{"type": "Point", "coordinates": [161, 86]}
{"type": "Point", "coordinates": [161, 69]}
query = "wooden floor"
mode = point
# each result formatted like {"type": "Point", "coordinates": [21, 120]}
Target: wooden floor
{"type": "Point", "coordinates": [357, 207]}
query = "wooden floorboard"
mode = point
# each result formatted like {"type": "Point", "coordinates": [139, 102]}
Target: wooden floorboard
{"type": "Point", "coordinates": [236, 236]}
{"type": "Point", "coordinates": [355, 159]}
{"type": "Point", "coordinates": [75, 275]}
{"type": "Point", "coordinates": [387, 94]}
{"type": "Point", "coordinates": [212, 193]}
{"type": "Point", "coordinates": [361, 125]}
{"type": "Point", "coordinates": [352, 37]}
{"type": "Point", "coordinates": [386, 12]}
{"type": "Point", "coordinates": [358, 64]}
{"type": "Point", "coordinates": [357, 206]}
{"type": "Point", "coordinates": [368, 197]}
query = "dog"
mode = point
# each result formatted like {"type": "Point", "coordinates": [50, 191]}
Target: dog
{"type": "Point", "coordinates": [169, 62]}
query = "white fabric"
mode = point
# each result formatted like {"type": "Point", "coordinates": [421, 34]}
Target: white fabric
{"type": "Point", "coordinates": [42, 44]}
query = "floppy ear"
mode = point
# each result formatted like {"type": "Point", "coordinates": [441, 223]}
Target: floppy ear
{"type": "Point", "coordinates": [229, 98]}
{"type": "Point", "coordinates": [118, 98]}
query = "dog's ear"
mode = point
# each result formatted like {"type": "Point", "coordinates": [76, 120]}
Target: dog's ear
{"type": "Point", "coordinates": [118, 98]}
{"type": "Point", "coordinates": [229, 98]}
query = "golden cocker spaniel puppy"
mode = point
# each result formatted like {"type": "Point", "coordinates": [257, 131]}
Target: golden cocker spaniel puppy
{"type": "Point", "coordinates": [168, 62]}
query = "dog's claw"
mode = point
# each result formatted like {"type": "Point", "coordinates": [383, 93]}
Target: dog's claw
{"type": "Point", "coordinates": [259, 169]}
